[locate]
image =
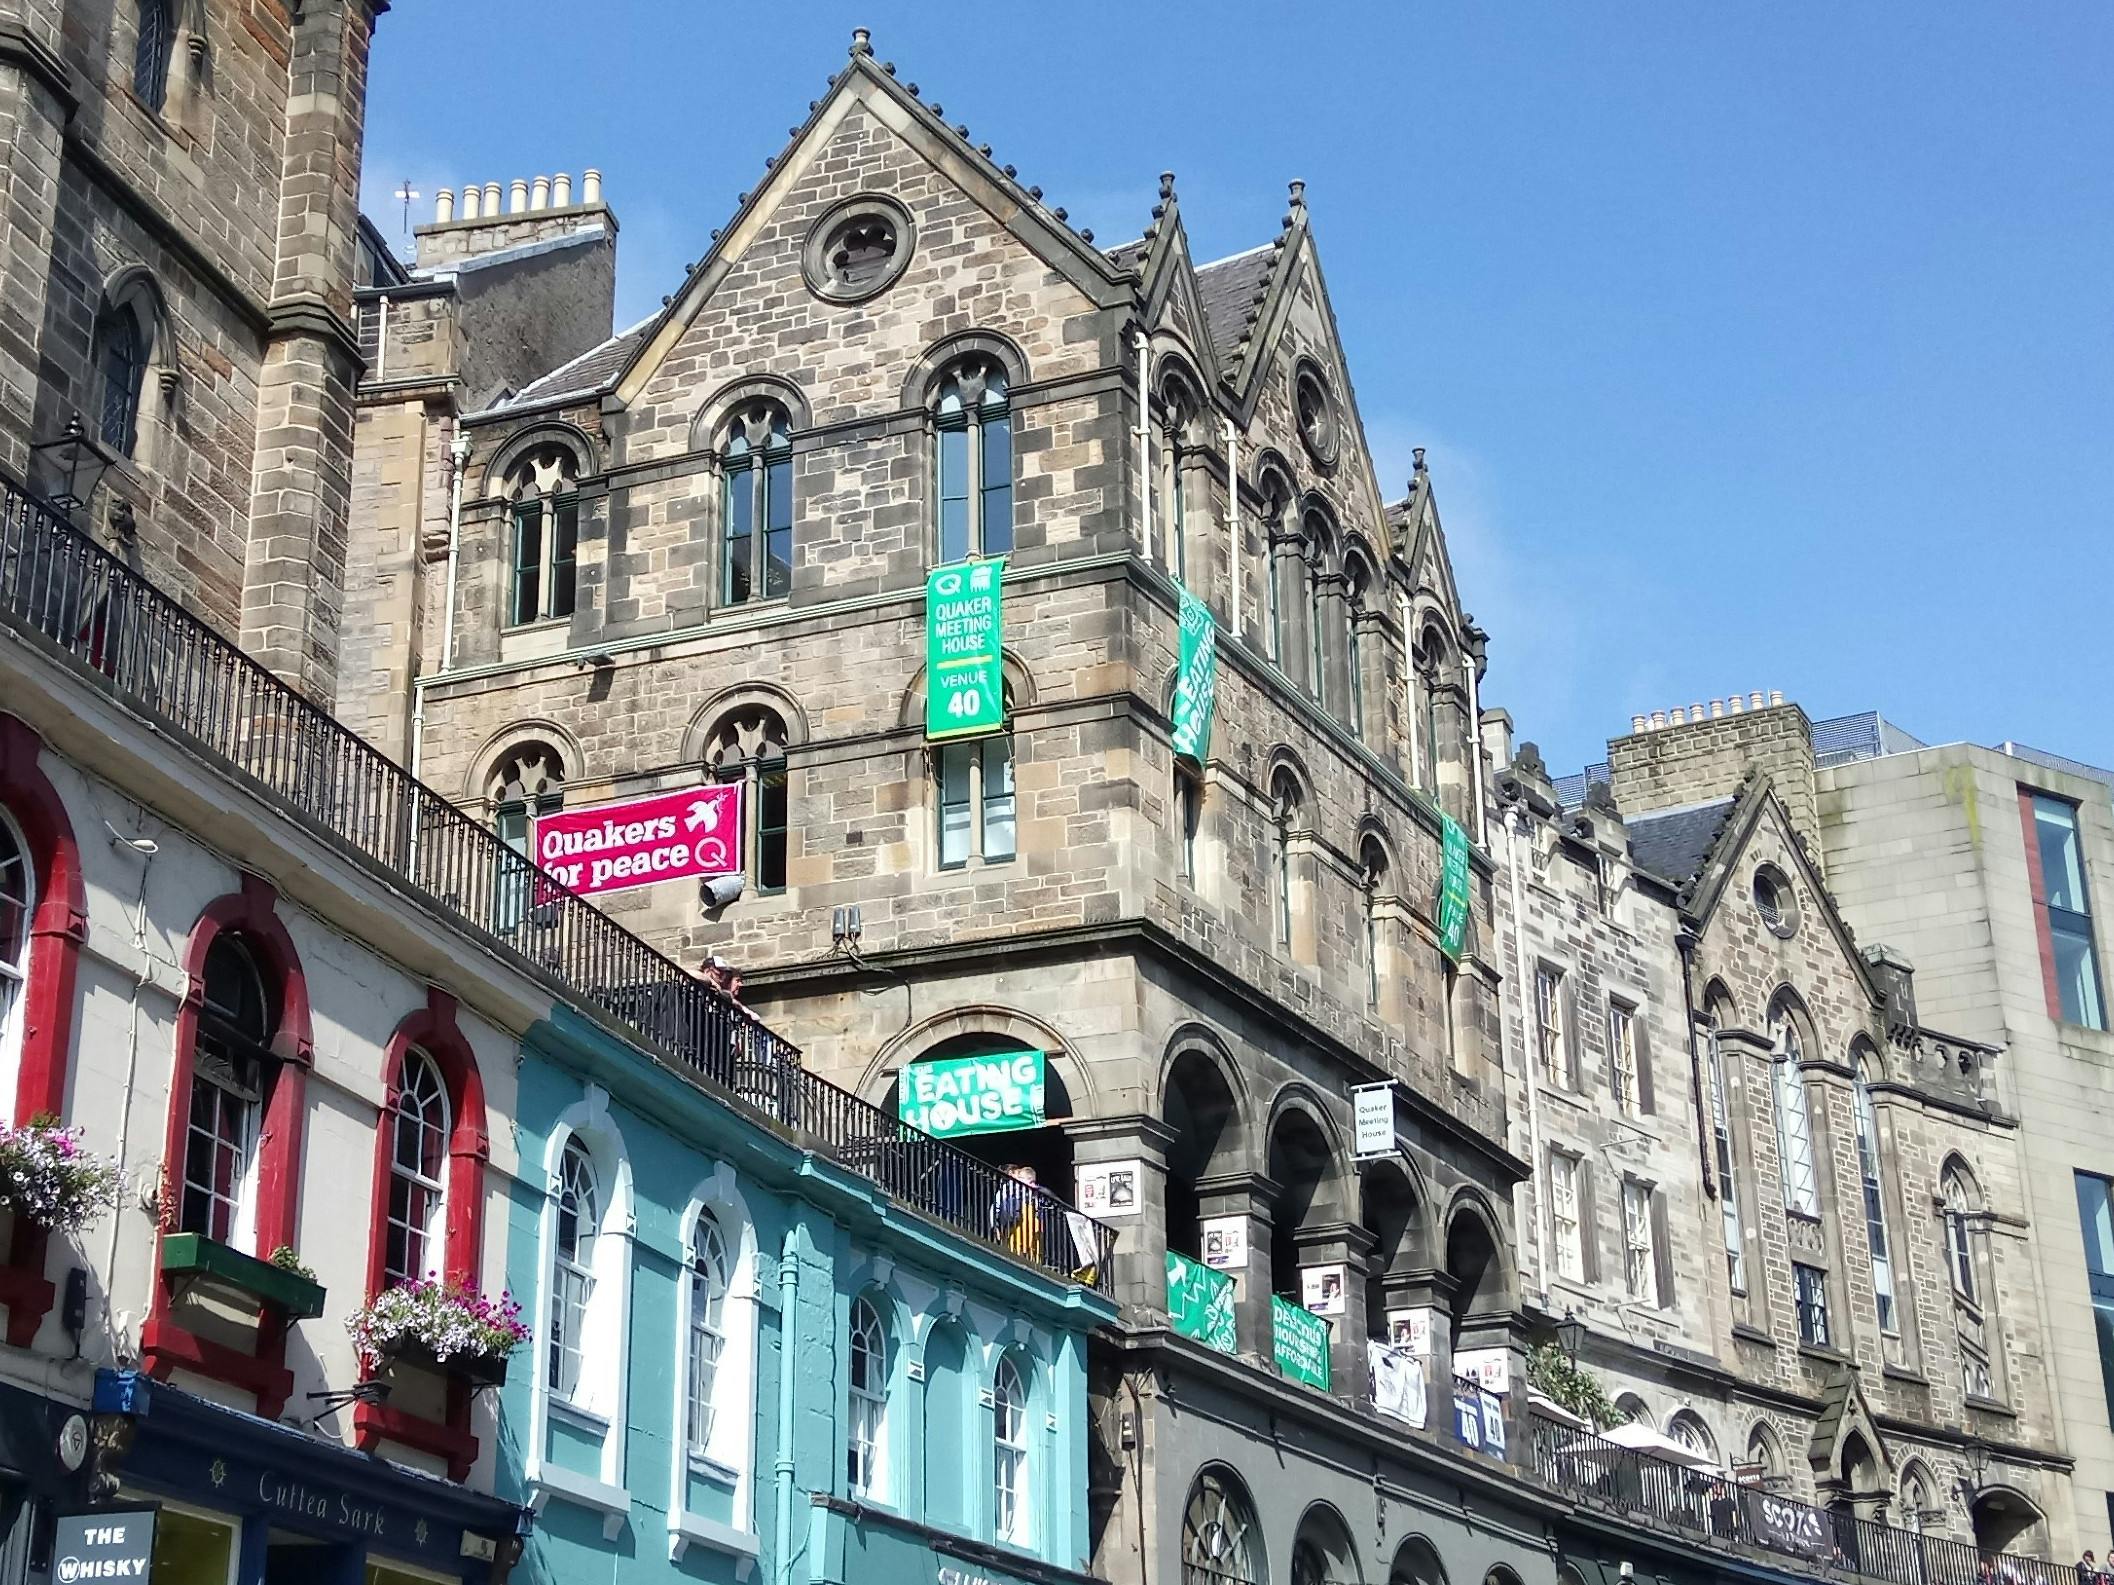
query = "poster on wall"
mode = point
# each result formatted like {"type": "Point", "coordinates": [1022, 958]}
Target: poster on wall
{"type": "Point", "coordinates": [1109, 1190]}
{"type": "Point", "coordinates": [1489, 1368]}
{"type": "Point", "coordinates": [669, 836]}
{"type": "Point", "coordinates": [951, 1096]}
{"type": "Point", "coordinates": [965, 690]}
{"type": "Point", "coordinates": [1398, 1382]}
{"type": "Point", "coordinates": [1225, 1242]}
{"type": "Point", "coordinates": [1373, 1120]}
{"type": "Point", "coordinates": [1410, 1330]}
{"type": "Point", "coordinates": [1321, 1289]}
{"type": "Point", "coordinates": [1300, 1341]}
{"type": "Point", "coordinates": [1200, 1303]}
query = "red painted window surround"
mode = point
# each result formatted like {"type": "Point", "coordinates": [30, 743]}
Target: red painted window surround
{"type": "Point", "coordinates": [2039, 882]}
{"type": "Point", "coordinates": [56, 931]}
{"type": "Point", "coordinates": [434, 1031]}
{"type": "Point", "coordinates": [164, 1344]}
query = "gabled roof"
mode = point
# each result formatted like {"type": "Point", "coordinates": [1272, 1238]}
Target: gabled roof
{"type": "Point", "coordinates": [1226, 288]}
{"type": "Point", "coordinates": [585, 375]}
{"type": "Point", "coordinates": [1674, 843]}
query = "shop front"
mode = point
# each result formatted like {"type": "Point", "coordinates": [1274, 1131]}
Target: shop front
{"type": "Point", "coordinates": [243, 1501]}
{"type": "Point", "coordinates": [43, 1471]}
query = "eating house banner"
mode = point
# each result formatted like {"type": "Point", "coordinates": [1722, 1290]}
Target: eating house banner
{"type": "Point", "coordinates": [236, 1492]}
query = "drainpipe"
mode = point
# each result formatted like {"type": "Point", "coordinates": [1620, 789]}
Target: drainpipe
{"type": "Point", "coordinates": [788, 1350]}
{"type": "Point", "coordinates": [459, 453]}
{"type": "Point", "coordinates": [381, 340]}
{"type": "Point", "coordinates": [1706, 1131]}
{"type": "Point", "coordinates": [1515, 828]}
{"type": "Point", "coordinates": [1144, 347]}
{"type": "Point", "coordinates": [1475, 737]}
{"type": "Point", "coordinates": [1233, 521]}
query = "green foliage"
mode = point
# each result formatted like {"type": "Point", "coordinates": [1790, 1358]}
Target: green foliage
{"type": "Point", "coordinates": [286, 1260]}
{"type": "Point", "coordinates": [1571, 1386]}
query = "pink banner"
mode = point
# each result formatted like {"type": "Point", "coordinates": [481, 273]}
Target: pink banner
{"type": "Point", "coordinates": [669, 836]}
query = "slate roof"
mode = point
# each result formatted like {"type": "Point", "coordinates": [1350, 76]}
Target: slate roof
{"type": "Point", "coordinates": [1226, 288]}
{"type": "Point", "coordinates": [1673, 843]}
{"type": "Point", "coordinates": [589, 373]}
{"type": "Point", "coordinates": [1128, 255]}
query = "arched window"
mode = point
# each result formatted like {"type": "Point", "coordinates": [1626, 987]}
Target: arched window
{"type": "Point", "coordinates": [1358, 592]}
{"type": "Point", "coordinates": [748, 747]}
{"type": "Point", "coordinates": [1694, 1435]}
{"type": "Point", "coordinates": [1188, 816]}
{"type": "Point", "coordinates": [1794, 1123]}
{"type": "Point", "coordinates": [1179, 407]}
{"type": "Point", "coordinates": [708, 1331]}
{"type": "Point", "coordinates": [1372, 875]}
{"type": "Point", "coordinates": [121, 375]}
{"type": "Point", "coordinates": [1966, 1256]}
{"type": "Point", "coordinates": [756, 527]}
{"type": "Point", "coordinates": [1431, 662]}
{"type": "Point", "coordinates": [152, 52]}
{"type": "Point", "coordinates": [1915, 1508]}
{"type": "Point", "coordinates": [865, 1448]}
{"type": "Point", "coordinates": [544, 535]}
{"type": "Point", "coordinates": [1959, 1246]}
{"type": "Point", "coordinates": [1869, 1177]}
{"type": "Point", "coordinates": [229, 1072]}
{"type": "Point", "coordinates": [1721, 1156]}
{"type": "Point", "coordinates": [528, 781]}
{"type": "Point", "coordinates": [572, 1269]}
{"type": "Point", "coordinates": [1766, 1454]}
{"type": "Point", "coordinates": [1633, 1411]}
{"type": "Point", "coordinates": [1219, 1545]}
{"type": "Point", "coordinates": [973, 429]}
{"type": "Point", "coordinates": [1321, 565]}
{"type": "Point", "coordinates": [1284, 811]}
{"type": "Point", "coordinates": [977, 811]}
{"type": "Point", "coordinates": [1276, 492]}
{"type": "Point", "coordinates": [18, 905]}
{"type": "Point", "coordinates": [1009, 1453]}
{"type": "Point", "coordinates": [418, 1166]}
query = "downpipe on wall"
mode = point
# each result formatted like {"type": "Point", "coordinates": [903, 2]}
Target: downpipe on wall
{"type": "Point", "coordinates": [459, 456]}
{"type": "Point", "coordinates": [1515, 824]}
{"type": "Point", "coordinates": [782, 1469]}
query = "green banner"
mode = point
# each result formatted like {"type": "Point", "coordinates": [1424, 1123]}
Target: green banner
{"type": "Point", "coordinates": [949, 1096]}
{"type": "Point", "coordinates": [965, 690]}
{"type": "Point", "coordinates": [1200, 1303]}
{"type": "Point", "coordinates": [1195, 681]}
{"type": "Point", "coordinates": [1301, 1341]}
{"type": "Point", "coordinates": [1453, 888]}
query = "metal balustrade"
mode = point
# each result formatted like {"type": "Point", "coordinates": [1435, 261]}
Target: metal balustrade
{"type": "Point", "coordinates": [61, 589]}
{"type": "Point", "coordinates": [1710, 1507]}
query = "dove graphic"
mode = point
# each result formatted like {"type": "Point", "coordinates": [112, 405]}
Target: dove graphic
{"type": "Point", "coordinates": [702, 813]}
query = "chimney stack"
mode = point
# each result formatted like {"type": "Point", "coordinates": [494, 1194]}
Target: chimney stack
{"type": "Point", "coordinates": [1682, 755]}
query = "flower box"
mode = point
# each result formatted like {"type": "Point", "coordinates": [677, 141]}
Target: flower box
{"type": "Point", "coordinates": [479, 1370]}
{"type": "Point", "coordinates": [49, 1180]}
{"type": "Point", "coordinates": [446, 1327]}
{"type": "Point", "coordinates": [194, 1258]}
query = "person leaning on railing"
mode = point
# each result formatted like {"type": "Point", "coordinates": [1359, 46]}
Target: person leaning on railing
{"type": "Point", "coordinates": [1018, 1214]}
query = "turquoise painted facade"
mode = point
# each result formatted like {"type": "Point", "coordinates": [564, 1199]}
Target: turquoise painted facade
{"type": "Point", "coordinates": [689, 1407]}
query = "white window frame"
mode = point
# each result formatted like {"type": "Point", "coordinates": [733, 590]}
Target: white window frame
{"type": "Point", "coordinates": [1728, 1171]}
{"type": "Point", "coordinates": [1872, 1184]}
{"type": "Point", "coordinates": [1794, 1122]}
{"type": "Point", "coordinates": [728, 1458]}
{"type": "Point", "coordinates": [1553, 1055]}
{"type": "Point", "coordinates": [1566, 1226]}
{"type": "Point", "coordinates": [572, 1274]}
{"type": "Point", "coordinates": [18, 872]}
{"type": "Point", "coordinates": [1622, 1056]}
{"type": "Point", "coordinates": [1640, 1271]}
{"type": "Point", "coordinates": [975, 753]}
{"type": "Point", "coordinates": [1012, 1454]}
{"type": "Point", "coordinates": [866, 1426]}
{"type": "Point", "coordinates": [706, 1268]}
{"type": "Point", "coordinates": [430, 1236]}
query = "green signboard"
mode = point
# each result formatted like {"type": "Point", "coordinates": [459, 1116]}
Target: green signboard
{"type": "Point", "coordinates": [949, 1096]}
{"type": "Point", "coordinates": [1200, 1303]}
{"type": "Point", "coordinates": [1301, 1341]}
{"type": "Point", "coordinates": [1195, 681]}
{"type": "Point", "coordinates": [1453, 888]}
{"type": "Point", "coordinates": [965, 689]}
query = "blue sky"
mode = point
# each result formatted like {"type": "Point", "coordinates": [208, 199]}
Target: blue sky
{"type": "Point", "coordinates": [1753, 346]}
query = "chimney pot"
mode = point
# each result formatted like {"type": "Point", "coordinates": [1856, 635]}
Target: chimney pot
{"type": "Point", "coordinates": [1717, 708]}
{"type": "Point", "coordinates": [540, 193]}
{"type": "Point", "coordinates": [1734, 704]}
{"type": "Point", "coordinates": [1776, 696]}
{"type": "Point", "coordinates": [444, 206]}
{"type": "Point", "coordinates": [517, 195]}
{"type": "Point", "coordinates": [1636, 723]}
{"type": "Point", "coordinates": [1677, 716]}
{"type": "Point", "coordinates": [491, 200]}
{"type": "Point", "coordinates": [1658, 719]}
{"type": "Point", "coordinates": [471, 195]}
{"type": "Point", "coordinates": [562, 191]}
{"type": "Point", "coordinates": [1695, 712]}
{"type": "Point", "coordinates": [1754, 700]}
{"type": "Point", "coordinates": [590, 186]}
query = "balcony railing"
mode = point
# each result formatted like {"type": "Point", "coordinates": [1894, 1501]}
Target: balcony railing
{"type": "Point", "coordinates": [1716, 1510]}
{"type": "Point", "coordinates": [59, 587]}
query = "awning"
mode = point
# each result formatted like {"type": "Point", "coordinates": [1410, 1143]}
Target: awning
{"type": "Point", "coordinates": [1641, 1438]}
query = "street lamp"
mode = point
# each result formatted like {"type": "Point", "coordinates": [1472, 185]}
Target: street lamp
{"type": "Point", "coordinates": [77, 462]}
{"type": "Point", "coordinates": [1970, 1485]}
{"type": "Point", "coordinates": [1570, 1333]}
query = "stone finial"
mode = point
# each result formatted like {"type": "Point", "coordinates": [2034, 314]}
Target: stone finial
{"type": "Point", "coordinates": [562, 191]}
{"type": "Point", "coordinates": [861, 41]}
{"type": "Point", "coordinates": [1298, 191]}
{"type": "Point", "coordinates": [517, 195]}
{"type": "Point", "coordinates": [540, 193]}
{"type": "Point", "coordinates": [1417, 452]}
{"type": "Point", "coordinates": [444, 206]}
{"type": "Point", "coordinates": [1166, 184]}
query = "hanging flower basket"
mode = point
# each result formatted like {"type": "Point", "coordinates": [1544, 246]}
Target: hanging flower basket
{"type": "Point", "coordinates": [450, 1327]}
{"type": "Point", "coordinates": [47, 1177]}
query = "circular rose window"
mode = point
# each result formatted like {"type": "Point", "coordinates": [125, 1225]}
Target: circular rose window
{"type": "Point", "coordinates": [1316, 411]}
{"type": "Point", "coordinates": [858, 249]}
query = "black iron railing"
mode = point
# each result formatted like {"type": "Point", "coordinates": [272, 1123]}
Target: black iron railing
{"type": "Point", "coordinates": [1712, 1507]}
{"type": "Point", "coordinates": [59, 586]}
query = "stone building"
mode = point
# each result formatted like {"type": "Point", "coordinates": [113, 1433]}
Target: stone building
{"type": "Point", "coordinates": [1990, 869]}
{"type": "Point", "coordinates": [1788, 1211]}
{"type": "Point", "coordinates": [183, 190]}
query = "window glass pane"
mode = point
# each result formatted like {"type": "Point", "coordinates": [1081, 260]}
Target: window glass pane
{"type": "Point", "coordinates": [150, 59]}
{"type": "Point", "coordinates": [954, 493]}
{"type": "Point", "coordinates": [998, 798]}
{"type": "Point", "coordinates": [528, 562]}
{"type": "Point", "coordinates": [778, 545]}
{"type": "Point", "coordinates": [122, 368]}
{"type": "Point", "coordinates": [2055, 823]}
{"type": "Point", "coordinates": [565, 540]}
{"type": "Point", "coordinates": [2076, 969]}
{"type": "Point", "coordinates": [954, 804]}
{"type": "Point", "coordinates": [997, 463]}
{"type": "Point", "coordinates": [770, 826]}
{"type": "Point", "coordinates": [2095, 1215]}
{"type": "Point", "coordinates": [735, 548]}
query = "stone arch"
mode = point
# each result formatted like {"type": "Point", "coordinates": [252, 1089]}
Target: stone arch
{"type": "Point", "coordinates": [1866, 1060]}
{"type": "Point", "coordinates": [1416, 1562]}
{"type": "Point", "coordinates": [1765, 1450]}
{"type": "Point", "coordinates": [1203, 1100]}
{"type": "Point", "coordinates": [571, 441]}
{"type": "Point", "coordinates": [1019, 684]}
{"type": "Point", "coordinates": [1174, 365]}
{"type": "Point", "coordinates": [1222, 1540]}
{"type": "Point", "coordinates": [2007, 1520]}
{"type": "Point", "coordinates": [1720, 1005]}
{"type": "Point", "coordinates": [1688, 1428]}
{"type": "Point", "coordinates": [741, 696]}
{"type": "Point", "coordinates": [712, 415]}
{"type": "Point", "coordinates": [992, 1019]}
{"type": "Point", "coordinates": [1635, 1411]}
{"type": "Point", "coordinates": [1395, 1206]}
{"type": "Point", "coordinates": [921, 384]}
{"type": "Point", "coordinates": [1323, 1552]}
{"type": "Point", "coordinates": [1484, 1282]}
{"type": "Point", "coordinates": [1325, 553]}
{"type": "Point", "coordinates": [495, 748]}
{"type": "Point", "coordinates": [1303, 1155]}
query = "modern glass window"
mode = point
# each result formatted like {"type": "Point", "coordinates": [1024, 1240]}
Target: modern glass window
{"type": "Point", "coordinates": [2095, 1217]}
{"type": "Point", "coordinates": [152, 52]}
{"type": "Point", "coordinates": [1639, 1262]}
{"type": "Point", "coordinates": [227, 1097]}
{"type": "Point", "coordinates": [1565, 1224]}
{"type": "Point", "coordinates": [572, 1269]}
{"type": "Point", "coordinates": [975, 440]}
{"type": "Point", "coordinates": [708, 1326]}
{"type": "Point", "coordinates": [977, 808]}
{"type": "Point", "coordinates": [1728, 1179]}
{"type": "Point", "coordinates": [1549, 1042]}
{"type": "Point", "coordinates": [1868, 1174]}
{"type": "Point", "coordinates": [121, 377]}
{"type": "Point", "coordinates": [18, 897]}
{"type": "Point", "coordinates": [756, 527]}
{"type": "Point", "coordinates": [418, 1166]}
{"type": "Point", "coordinates": [546, 542]}
{"type": "Point", "coordinates": [1810, 1288]}
{"type": "Point", "coordinates": [1794, 1123]}
{"type": "Point", "coordinates": [1622, 1057]}
{"type": "Point", "coordinates": [1009, 1453]}
{"type": "Point", "coordinates": [2063, 912]}
{"type": "Point", "coordinates": [869, 1400]}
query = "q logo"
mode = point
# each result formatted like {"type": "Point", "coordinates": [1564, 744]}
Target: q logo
{"type": "Point", "coordinates": [949, 582]}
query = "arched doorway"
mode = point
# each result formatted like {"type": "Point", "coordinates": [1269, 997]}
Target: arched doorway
{"type": "Point", "coordinates": [1046, 1147]}
{"type": "Point", "coordinates": [1322, 1553]}
{"type": "Point", "coordinates": [1202, 1114]}
{"type": "Point", "coordinates": [1416, 1563]}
